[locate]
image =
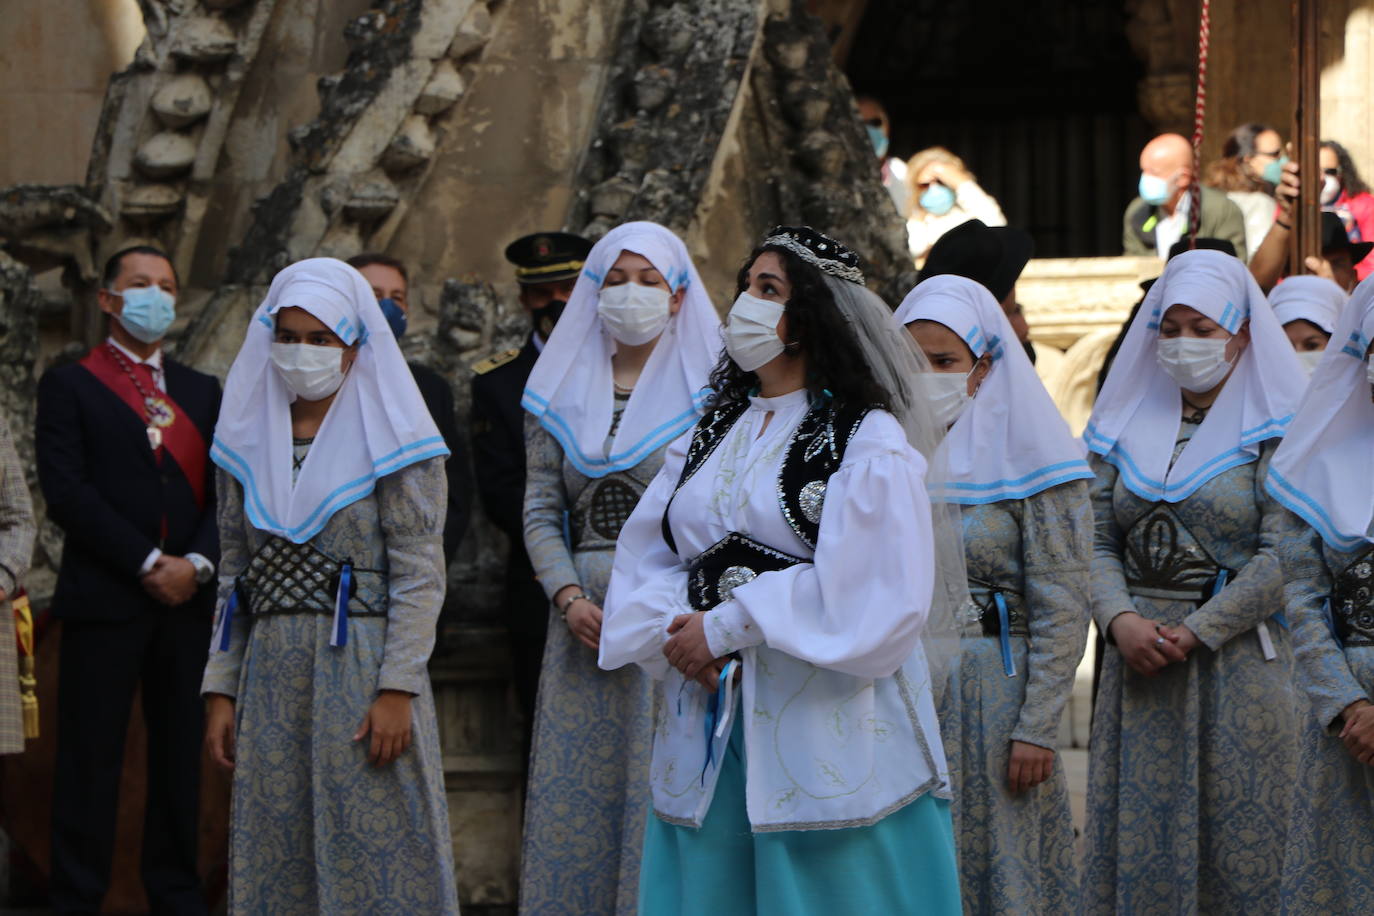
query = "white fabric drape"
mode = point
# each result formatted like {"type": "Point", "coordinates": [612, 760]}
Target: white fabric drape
{"type": "Point", "coordinates": [570, 391]}
{"type": "Point", "coordinates": [1136, 419]}
{"type": "Point", "coordinates": [1314, 299]}
{"type": "Point", "coordinates": [1011, 441]}
{"type": "Point", "coordinates": [377, 424]}
{"type": "Point", "coordinates": [1321, 471]}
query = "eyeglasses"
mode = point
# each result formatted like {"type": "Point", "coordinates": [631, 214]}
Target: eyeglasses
{"type": "Point", "coordinates": [874, 122]}
{"type": "Point", "coordinates": [1334, 173]}
{"type": "Point", "coordinates": [1272, 155]}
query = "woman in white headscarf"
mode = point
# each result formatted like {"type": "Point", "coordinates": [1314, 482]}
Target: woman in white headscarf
{"type": "Point", "coordinates": [1022, 481]}
{"type": "Point", "coordinates": [1321, 475]}
{"type": "Point", "coordinates": [621, 377]}
{"type": "Point", "coordinates": [779, 580]}
{"type": "Point", "coordinates": [1308, 308]}
{"type": "Point", "coordinates": [331, 507]}
{"type": "Point", "coordinates": [1194, 740]}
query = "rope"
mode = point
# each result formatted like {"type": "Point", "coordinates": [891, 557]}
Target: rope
{"type": "Point", "coordinates": [1195, 190]}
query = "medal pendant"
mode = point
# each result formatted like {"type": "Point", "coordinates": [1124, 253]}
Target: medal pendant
{"type": "Point", "coordinates": [160, 413]}
{"type": "Point", "coordinates": [154, 438]}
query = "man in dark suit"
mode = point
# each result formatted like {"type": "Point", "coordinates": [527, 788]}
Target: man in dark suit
{"type": "Point", "coordinates": [390, 282]}
{"type": "Point", "coordinates": [546, 267]}
{"type": "Point", "coordinates": [123, 459]}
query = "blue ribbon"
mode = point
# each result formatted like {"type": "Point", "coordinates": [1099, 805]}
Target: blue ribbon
{"type": "Point", "coordinates": [712, 714]}
{"type": "Point", "coordinates": [1219, 582]}
{"type": "Point", "coordinates": [1004, 633]}
{"type": "Point", "coordinates": [1331, 622]}
{"type": "Point", "coordinates": [226, 620]}
{"type": "Point", "coordinates": [339, 632]}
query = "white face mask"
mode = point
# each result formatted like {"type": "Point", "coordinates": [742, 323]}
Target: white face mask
{"type": "Point", "coordinates": [634, 314]}
{"type": "Point", "coordinates": [751, 331]}
{"type": "Point", "coordinates": [1310, 358]}
{"type": "Point", "coordinates": [311, 373]}
{"type": "Point", "coordinates": [947, 394]}
{"type": "Point", "coordinates": [1196, 363]}
{"type": "Point", "coordinates": [1331, 189]}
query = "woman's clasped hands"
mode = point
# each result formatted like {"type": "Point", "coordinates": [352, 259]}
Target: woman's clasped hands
{"type": "Point", "coordinates": [1148, 646]}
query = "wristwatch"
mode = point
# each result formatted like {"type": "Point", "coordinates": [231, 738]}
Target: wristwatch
{"type": "Point", "coordinates": [205, 570]}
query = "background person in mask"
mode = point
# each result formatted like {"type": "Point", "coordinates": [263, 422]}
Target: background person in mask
{"type": "Point", "coordinates": [893, 169]}
{"type": "Point", "coordinates": [1308, 308]}
{"type": "Point", "coordinates": [1194, 742]}
{"type": "Point", "coordinates": [621, 377]}
{"type": "Point", "coordinates": [546, 267]}
{"type": "Point", "coordinates": [317, 693]}
{"type": "Point", "coordinates": [390, 283]}
{"type": "Point", "coordinates": [1345, 194]}
{"type": "Point", "coordinates": [122, 443]}
{"type": "Point", "coordinates": [944, 194]}
{"type": "Point", "coordinates": [1158, 217]}
{"type": "Point", "coordinates": [1248, 171]}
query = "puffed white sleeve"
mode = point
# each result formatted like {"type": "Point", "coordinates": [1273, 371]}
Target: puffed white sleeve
{"type": "Point", "coordinates": [648, 581]}
{"type": "Point", "coordinates": [861, 606]}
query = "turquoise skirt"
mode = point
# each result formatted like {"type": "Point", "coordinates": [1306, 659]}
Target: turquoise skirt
{"type": "Point", "coordinates": [903, 864]}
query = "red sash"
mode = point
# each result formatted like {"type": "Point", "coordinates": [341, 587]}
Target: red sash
{"type": "Point", "coordinates": [181, 438]}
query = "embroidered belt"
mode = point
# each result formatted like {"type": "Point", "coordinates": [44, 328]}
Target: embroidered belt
{"type": "Point", "coordinates": [1351, 606]}
{"type": "Point", "coordinates": [729, 563]}
{"type": "Point", "coordinates": [285, 578]}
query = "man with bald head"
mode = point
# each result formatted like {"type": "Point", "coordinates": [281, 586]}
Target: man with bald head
{"type": "Point", "coordinates": [1160, 217]}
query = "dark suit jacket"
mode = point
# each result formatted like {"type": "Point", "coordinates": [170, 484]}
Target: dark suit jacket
{"type": "Point", "coordinates": [1221, 219]}
{"type": "Point", "coordinates": [107, 491]}
{"type": "Point", "coordinates": [498, 448]}
{"type": "Point", "coordinates": [434, 388]}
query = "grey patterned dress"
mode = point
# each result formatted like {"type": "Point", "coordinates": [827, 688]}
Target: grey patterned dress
{"type": "Point", "coordinates": [1191, 770]}
{"type": "Point", "coordinates": [315, 828]}
{"type": "Point", "coordinates": [1328, 865]}
{"type": "Point", "coordinates": [1016, 851]}
{"type": "Point", "coordinates": [589, 769]}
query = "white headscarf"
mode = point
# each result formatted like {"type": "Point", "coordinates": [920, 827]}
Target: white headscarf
{"type": "Point", "coordinates": [1135, 422]}
{"type": "Point", "coordinates": [377, 425]}
{"type": "Point", "coordinates": [1314, 299]}
{"type": "Point", "coordinates": [1322, 469]}
{"type": "Point", "coordinates": [570, 390]}
{"type": "Point", "coordinates": [1011, 441]}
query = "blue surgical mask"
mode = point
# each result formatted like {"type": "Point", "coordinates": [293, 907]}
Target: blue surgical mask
{"type": "Point", "coordinates": [1273, 172]}
{"type": "Point", "coordinates": [394, 315]}
{"type": "Point", "coordinates": [1153, 189]}
{"type": "Point", "coordinates": [148, 312]}
{"type": "Point", "coordinates": [879, 140]}
{"type": "Point", "coordinates": [937, 199]}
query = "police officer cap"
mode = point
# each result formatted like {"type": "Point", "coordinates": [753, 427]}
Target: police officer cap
{"type": "Point", "coordinates": [545, 257]}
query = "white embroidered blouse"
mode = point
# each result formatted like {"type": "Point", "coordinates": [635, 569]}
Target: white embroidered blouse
{"type": "Point", "coordinates": [840, 727]}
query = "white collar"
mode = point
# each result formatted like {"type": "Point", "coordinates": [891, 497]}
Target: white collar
{"type": "Point", "coordinates": [155, 360]}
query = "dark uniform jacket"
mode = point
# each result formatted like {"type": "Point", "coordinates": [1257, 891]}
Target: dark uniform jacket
{"type": "Point", "coordinates": [498, 446]}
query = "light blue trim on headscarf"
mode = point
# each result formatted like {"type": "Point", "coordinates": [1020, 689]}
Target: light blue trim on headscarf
{"type": "Point", "coordinates": [977, 494]}
{"type": "Point", "coordinates": [590, 466]}
{"type": "Point", "coordinates": [1310, 511]}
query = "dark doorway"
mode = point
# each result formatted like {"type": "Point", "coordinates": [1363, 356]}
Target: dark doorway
{"type": "Point", "coordinates": [1038, 98]}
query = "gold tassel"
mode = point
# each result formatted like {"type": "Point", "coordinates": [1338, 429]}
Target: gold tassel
{"type": "Point", "coordinates": [28, 679]}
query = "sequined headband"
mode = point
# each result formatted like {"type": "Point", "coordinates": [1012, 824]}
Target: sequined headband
{"type": "Point", "coordinates": [820, 250]}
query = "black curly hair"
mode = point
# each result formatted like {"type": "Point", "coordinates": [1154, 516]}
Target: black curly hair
{"type": "Point", "coordinates": [835, 364]}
